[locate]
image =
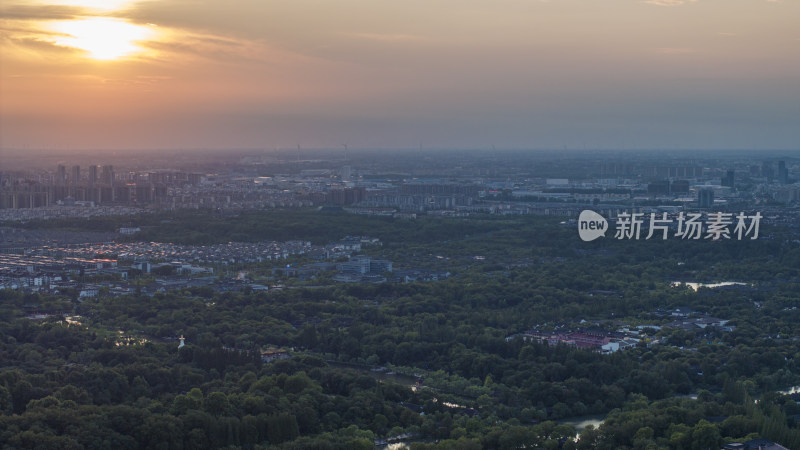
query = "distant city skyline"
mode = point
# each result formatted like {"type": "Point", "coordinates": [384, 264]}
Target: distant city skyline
{"type": "Point", "coordinates": [617, 74]}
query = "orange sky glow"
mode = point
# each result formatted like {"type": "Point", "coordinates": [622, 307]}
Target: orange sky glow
{"type": "Point", "coordinates": [115, 74]}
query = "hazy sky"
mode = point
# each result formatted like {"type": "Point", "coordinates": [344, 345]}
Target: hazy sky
{"type": "Point", "coordinates": [379, 73]}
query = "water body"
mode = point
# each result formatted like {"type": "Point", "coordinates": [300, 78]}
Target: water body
{"type": "Point", "coordinates": [689, 396]}
{"type": "Point", "coordinates": [791, 390]}
{"type": "Point", "coordinates": [399, 378]}
{"type": "Point", "coordinates": [581, 422]}
{"type": "Point", "coordinates": [696, 286]}
{"type": "Point", "coordinates": [394, 446]}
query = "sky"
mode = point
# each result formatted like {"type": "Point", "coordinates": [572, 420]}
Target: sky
{"type": "Point", "coordinates": [610, 74]}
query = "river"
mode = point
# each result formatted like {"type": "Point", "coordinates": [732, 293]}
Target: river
{"type": "Point", "coordinates": [383, 375]}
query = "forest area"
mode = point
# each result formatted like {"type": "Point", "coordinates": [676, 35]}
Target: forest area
{"type": "Point", "coordinates": [115, 376]}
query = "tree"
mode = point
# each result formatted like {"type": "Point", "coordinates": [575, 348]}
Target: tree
{"type": "Point", "coordinates": [705, 435]}
{"type": "Point", "coordinates": [6, 404]}
{"type": "Point", "coordinates": [216, 404]}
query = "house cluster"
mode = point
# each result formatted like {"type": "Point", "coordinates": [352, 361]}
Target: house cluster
{"type": "Point", "coordinates": [625, 336]}
{"type": "Point", "coordinates": [228, 253]}
{"type": "Point", "coordinates": [356, 270]}
{"type": "Point", "coordinates": [347, 246]}
{"type": "Point", "coordinates": [274, 354]}
{"type": "Point", "coordinates": [54, 269]}
{"type": "Point", "coordinates": [362, 268]}
{"type": "Point", "coordinates": [42, 274]}
{"type": "Point", "coordinates": [700, 323]}
{"type": "Point", "coordinates": [45, 274]}
{"type": "Point", "coordinates": [76, 209]}
{"type": "Point", "coordinates": [587, 339]}
{"type": "Point", "coordinates": [688, 319]}
{"type": "Point", "coordinates": [754, 444]}
{"type": "Point", "coordinates": [268, 355]}
{"type": "Point", "coordinates": [412, 275]}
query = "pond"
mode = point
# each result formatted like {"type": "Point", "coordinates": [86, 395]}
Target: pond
{"type": "Point", "coordinates": [791, 390]}
{"type": "Point", "coordinates": [581, 422]}
{"type": "Point", "coordinates": [696, 286]}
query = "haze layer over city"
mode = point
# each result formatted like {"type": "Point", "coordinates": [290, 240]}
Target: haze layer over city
{"type": "Point", "coordinates": [543, 224]}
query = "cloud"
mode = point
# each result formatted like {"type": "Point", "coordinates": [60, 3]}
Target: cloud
{"type": "Point", "coordinates": [386, 37]}
{"type": "Point", "coordinates": [39, 46]}
{"type": "Point", "coordinates": [194, 47]}
{"type": "Point", "coordinates": [141, 80]}
{"type": "Point", "coordinates": [23, 30]}
{"type": "Point", "coordinates": [210, 47]}
{"type": "Point", "coordinates": [24, 36]}
{"type": "Point", "coordinates": [668, 2]}
{"type": "Point", "coordinates": [42, 12]}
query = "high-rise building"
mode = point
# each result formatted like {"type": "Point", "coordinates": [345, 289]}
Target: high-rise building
{"type": "Point", "coordinates": [705, 198]}
{"type": "Point", "coordinates": [92, 175]}
{"type": "Point", "coordinates": [690, 171]}
{"type": "Point", "coordinates": [783, 172]}
{"type": "Point", "coordinates": [143, 193]}
{"type": "Point", "coordinates": [658, 187]}
{"type": "Point", "coordinates": [679, 187]}
{"type": "Point", "coordinates": [345, 173]}
{"type": "Point", "coordinates": [766, 170]}
{"type": "Point", "coordinates": [61, 175]}
{"type": "Point", "coordinates": [346, 196]}
{"type": "Point", "coordinates": [728, 179]}
{"type": "Point", "coordinates": [76, 175]}
{"type": "Point", "coordinates": [107, 175]}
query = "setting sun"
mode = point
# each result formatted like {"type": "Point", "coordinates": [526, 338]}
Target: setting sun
{"type": "Point", "coordinates": [102, 38]}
